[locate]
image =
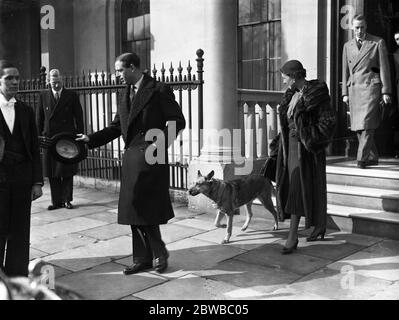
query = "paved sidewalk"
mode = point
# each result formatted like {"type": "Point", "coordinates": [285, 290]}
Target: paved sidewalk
{"type": "Point", "coordinates": [89, 250]}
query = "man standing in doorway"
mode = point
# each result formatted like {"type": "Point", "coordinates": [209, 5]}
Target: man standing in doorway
{"type": "Point", "coordinates": [21, 177]}
{"type": "Point", "coordinates": [59, 110]}
{"type": "Point", "coordinates": [366, 85]}
{"type": "Point", "coordinates": [144, 201]}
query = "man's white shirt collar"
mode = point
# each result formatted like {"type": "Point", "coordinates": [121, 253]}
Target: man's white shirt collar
{"type": "Point", "coordinates": [5, 102]}
{"type": "Point", "coordinates": [59, 92]}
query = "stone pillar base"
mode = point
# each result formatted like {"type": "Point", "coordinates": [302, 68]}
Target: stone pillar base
{"type": "Point", "coordinates": [223, 171]}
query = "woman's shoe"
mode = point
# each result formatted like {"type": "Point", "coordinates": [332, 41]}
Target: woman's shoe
{"type": "Point", "coordinates": [315, 235]}
{"type": "Point", "coordinates": [291, 249]}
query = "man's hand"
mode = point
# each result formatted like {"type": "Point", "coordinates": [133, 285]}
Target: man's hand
{"type": "Point", "coordinates": [82, 137]}
{"type": "Point", "coordinates": [386, 98]}
{"type": "Point", "coordinates": [345, 99]}
{"type": "Point", "coordinates": [45, 142]}
{"type": "Point", "coordinates": [36, 192]}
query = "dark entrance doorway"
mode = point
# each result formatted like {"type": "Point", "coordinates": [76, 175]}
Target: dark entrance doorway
{"type": "Point", "coordinates": [383, 21]}
{"type": "Point", "coordinates": [20, 35]}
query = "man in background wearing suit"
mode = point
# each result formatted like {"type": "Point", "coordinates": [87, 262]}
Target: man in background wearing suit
{"type": "Point", "coordinates": [59, 110]}
{"type": "Point", "coordinates": [21, 177]}
{"type": "Point", "coordinates": [144, 201]}
{"type": "Point", "coordinates": [366, 85]}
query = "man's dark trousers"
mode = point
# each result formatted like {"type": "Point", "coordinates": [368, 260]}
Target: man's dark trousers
{"type": "Point", "coordinates": [147, 243]}
{"type": "Point", "coordinates": [15, 204]}
{"type": "Point", "coordinates": [61, 189]}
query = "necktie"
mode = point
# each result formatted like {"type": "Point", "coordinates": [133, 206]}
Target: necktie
{"type": "Point", "coordinates": [132, 95]}
{"type": "Point", "coordinates": [57, 97]}
{"type": "Point", "coordinates": [359, 43]}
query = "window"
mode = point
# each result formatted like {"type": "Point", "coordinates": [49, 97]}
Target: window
{"type": "Point", "coordinates": [136, 34]}
{"type": "Point", "coordinates": [259, 51]}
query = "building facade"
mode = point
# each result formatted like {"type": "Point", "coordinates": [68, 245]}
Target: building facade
{"type": "Point", "coordinates": [245, 43]}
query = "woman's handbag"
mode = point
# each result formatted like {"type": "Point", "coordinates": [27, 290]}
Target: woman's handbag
{"type": "Point", "coordinates": [269, 169]}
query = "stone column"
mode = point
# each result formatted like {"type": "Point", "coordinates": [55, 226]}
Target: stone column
{"type": "Point", "coordinates": [220, 99]}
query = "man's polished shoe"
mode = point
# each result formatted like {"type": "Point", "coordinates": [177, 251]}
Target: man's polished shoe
{"type": "Point", "coordinates": [361, 164]}
{"type": "Point", "coordinates": [55, 206]}
{"type": "Point", "coordinates": [137, 267]}
{"type": "Point", "coordinates": [68, 205]}
{"type": "Point", "coordinates": [372, 163]}
{"type": "Point", "coordinates": [161, 263]}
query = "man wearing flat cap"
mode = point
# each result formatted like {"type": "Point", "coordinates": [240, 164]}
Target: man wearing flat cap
{"type": "Point", "coordinates": [59, 110]}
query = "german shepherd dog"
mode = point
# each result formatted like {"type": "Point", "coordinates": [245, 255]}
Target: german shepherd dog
{"type": "Point", "coordinates": [230, 195]}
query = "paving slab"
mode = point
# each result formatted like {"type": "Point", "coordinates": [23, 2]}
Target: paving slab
{"type": "Point", "coordinates": [190, 255]}
{"type": "Point", "coordinates": [379, 261]}
{"type": "Point", "coordinates": [172, 232]}
{"type": "Point", "coordinates": [106, 232]}
{"type": "Point", "coordinates": [63, 227]}
{"type": "Point", "coordinates": [189, 287]}
{"type": "Point", "coordinates": [107, 282]}
{"type": "Point", "coordinates": [288, 293]}
{"type": "Point", "coordinates": [100, 197]}
{"type": "Point", "coordinates": [245, 240]}
{"type": "Point", "coordinates": [106, 216]}
{"type": "Point", "coordinates": [330, 248]}
{"type": "Point", "coordinates": [250, 276]}
{"type": "Point", "coordinates": [196, 223]}
{"type": "Point", "coordinates": [62, 243]}
{"type": "Point", "coordinates": [131, 297]}
{"type": "Point", "coordinates": [358, 239]}
{"type": "Point", "coordinates": [92, 255]}
{"type": "Point", "coordinates": [35, 254]}
{"type": "Point", "coordinates": [389, 293]}
{"type": "Point", "coordinates": [270, 256]}
{"type": "Point", "coordinates": [340, 286]}
{"type": "Point", "coordinates": [181, 212]}
{"type": "Point", "coordinates": [66, 214]}
{"type": "Point", "coordinates": [36, 221]}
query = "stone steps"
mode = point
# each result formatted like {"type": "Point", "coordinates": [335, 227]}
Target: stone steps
{"type": "Point", "coordinates": [370, 178]}
{"type": "Point", "coordinates": [363, 197]}
{"type": "Point", "coordinates": [363, 221]}
{"type": "Point", "coordinates": [364, 201]}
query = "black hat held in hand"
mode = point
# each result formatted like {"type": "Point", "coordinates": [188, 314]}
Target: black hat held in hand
{"type": "Point", "coordinates": [66, 149]}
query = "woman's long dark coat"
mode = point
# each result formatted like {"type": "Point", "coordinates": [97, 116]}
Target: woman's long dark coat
{"type": "Point", "coordinates": [144, 193]}
{"type": "Point", "coordinates": [53, 118]}
{"type": "Point", "coordinates": [315, 121]}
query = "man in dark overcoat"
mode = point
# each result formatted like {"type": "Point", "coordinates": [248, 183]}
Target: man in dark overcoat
{"type": "Point", "coordinates": [366, 83]}
{"type": "Point", "coordinates": [145, 107]}
{"type": "Point", "coordinates": [59, 110]}
{"type": "Point", "coordinates": [21, 177]}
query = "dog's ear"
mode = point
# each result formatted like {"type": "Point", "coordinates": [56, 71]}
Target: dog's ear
{"type": "Point", "coordinates": [199, 174]}
{"type": "Point", "coordinates": [210, 175]}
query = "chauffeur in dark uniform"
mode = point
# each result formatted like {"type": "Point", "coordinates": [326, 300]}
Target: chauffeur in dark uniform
{"type": "Point", "coordinates": [21, 177]}
{"type": "Point", "coordinates": [59, 110]}
{"type": "Point", "coordinates": [144, 201]}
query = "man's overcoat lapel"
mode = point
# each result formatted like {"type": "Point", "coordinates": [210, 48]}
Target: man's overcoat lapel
{"type": "Point", "coordinates": [143, 95]}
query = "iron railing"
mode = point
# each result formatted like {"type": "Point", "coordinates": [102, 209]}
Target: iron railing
{"type": "Point", "coordinates": [99, 95]}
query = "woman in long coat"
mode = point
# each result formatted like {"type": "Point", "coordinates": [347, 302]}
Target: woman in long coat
{"type": "Point", "coordinates": [307, 124]}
